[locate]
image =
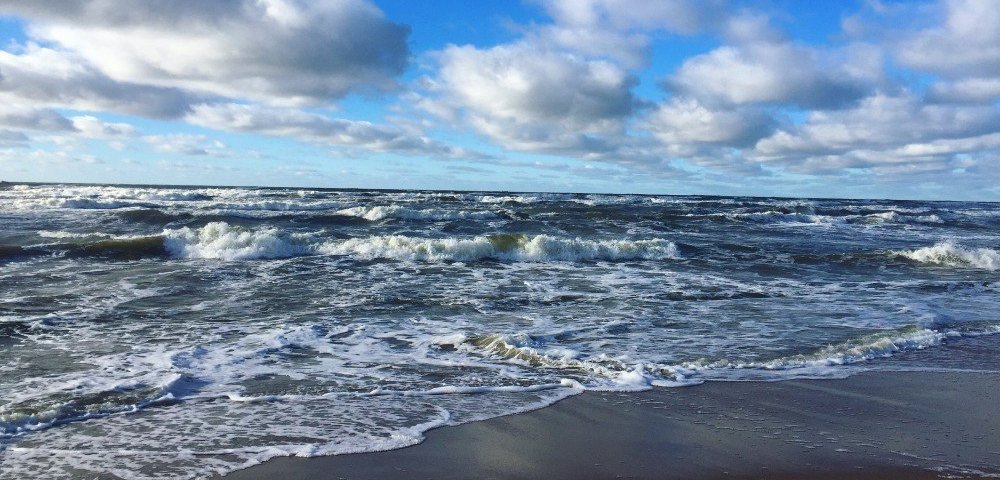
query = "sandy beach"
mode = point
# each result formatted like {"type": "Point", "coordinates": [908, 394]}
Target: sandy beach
{"type": "Point", "coordinates": [871, 425]}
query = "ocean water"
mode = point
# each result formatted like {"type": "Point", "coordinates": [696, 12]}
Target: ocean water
{"type": "Point", "coordinates": [179, 332]}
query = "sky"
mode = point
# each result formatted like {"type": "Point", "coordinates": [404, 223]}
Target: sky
{"type": "Point", "coordinates": [856, 98]}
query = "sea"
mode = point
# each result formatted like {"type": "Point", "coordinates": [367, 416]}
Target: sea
{"type": "Point", "coordinates": [182, 332]}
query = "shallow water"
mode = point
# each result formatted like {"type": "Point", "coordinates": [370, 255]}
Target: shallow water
{"type": "Point", "coordinates": [177, 332]}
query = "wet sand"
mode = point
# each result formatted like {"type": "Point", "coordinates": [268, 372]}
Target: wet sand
{"type": "Point", "coordinates": [871, 425]}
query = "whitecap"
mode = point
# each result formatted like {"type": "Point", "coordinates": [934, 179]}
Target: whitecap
{"type": "Point", "coordinates": [950, 254]}
{"type": "Point", "coordinates": [219, 240]}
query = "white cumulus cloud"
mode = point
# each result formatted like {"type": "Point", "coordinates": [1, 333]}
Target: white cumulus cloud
{"type": "Point", "coordinates": [279, 51]}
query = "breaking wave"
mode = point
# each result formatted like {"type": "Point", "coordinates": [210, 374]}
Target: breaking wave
{"type": "Point", "coordinates": [603, 372]}
{"type": "Point", "coordinates": [36, 415]}
{"type": "Point", "coordinates": [522, 349]}
{"type": "Point", "coordinates": [868, 347]}
{"type": "Point", "coordinates": [952, 255]}
{"type": "Point", "coordinates": [219, 240]}
{"type": "Point", "coordinates": [222, 241]}
{"type": "Point", "coordinates": [523, 248]}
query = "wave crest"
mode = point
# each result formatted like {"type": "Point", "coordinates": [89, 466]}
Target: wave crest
{"type": "Point", "coordinates": [857, 350]}
{"type": "Point", "coordinates": [522, 349]}
{"type": "Point", "coordinates": [219, 240]}
{"type": "Point", "coordinates": [952, 255]}
{"type": "Point", "coordinates": [525, 248]}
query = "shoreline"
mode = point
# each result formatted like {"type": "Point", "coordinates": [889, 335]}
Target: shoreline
{"type": "Point", "coordinates": [875, 424]}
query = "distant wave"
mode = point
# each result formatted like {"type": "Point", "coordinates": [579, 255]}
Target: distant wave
{"type": "Point", "coordinates": [509, 198]}
{"type": "Point", "coordinates": [378, 213]}
{"type": "Point", "coordinates": [81, 203]}
{"type": "Point", "coordinates": [894, 217]}
{"type": "Point", "coordinates": [830, 218]}
{"type": "Point", "coordinates": [787, 217]}
{"type": "Point", "coordinates": [950, 254]}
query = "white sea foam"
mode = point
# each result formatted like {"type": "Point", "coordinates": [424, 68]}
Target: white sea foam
{"type": "Point", "coordinates": [950, 254]}
{"type": "Point", "coordinates": [537, 248]}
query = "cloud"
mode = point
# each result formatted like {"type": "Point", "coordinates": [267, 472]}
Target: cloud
{"type": "Point", "coordinates": [44, 77]}
{"type": "Point", "coordinates": [535, 100]}
{"type": "Point", "coordinates": [565, 87]}
{"type": "Point", "coordinates": [681, 16]}
{"type": "Point", "coordinates": [281, 122]}
{"type": "Point", "coordinates": [964, 51]}
{"type": "Point", "coordinates": [59, 128]}
{"type": "Point", "coordinates": [34, 119]}
{"type": "Point", "coordinates": [186, 144]}
{"type": "Point", "coordinates": [725, 101]}
{"type": "Point", "coordinates": [967, 44]}
{"type": "Point", "coordinates": [683, 121]}
{"type": "Point", "coordinates": [277, 51]}
{"type": "Point", "coordinates": [732, 109]}
{"type": "Point", "coordinates": [755, 102]}
{"type": "Point", "coordinates": [50, 126]}
{"type": "Point", "coordinates": [970, 90]}
{"type": "Point", "coordinates": [89, 126]}
{"type": "Point", "coordinates": [10, 139]}
{"type": "Point", "coordinates": [762, 66]}
{"type": "Point", "coordinates": [884, 131]}
{"type": "Point", "coordinates": [621, 29]}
